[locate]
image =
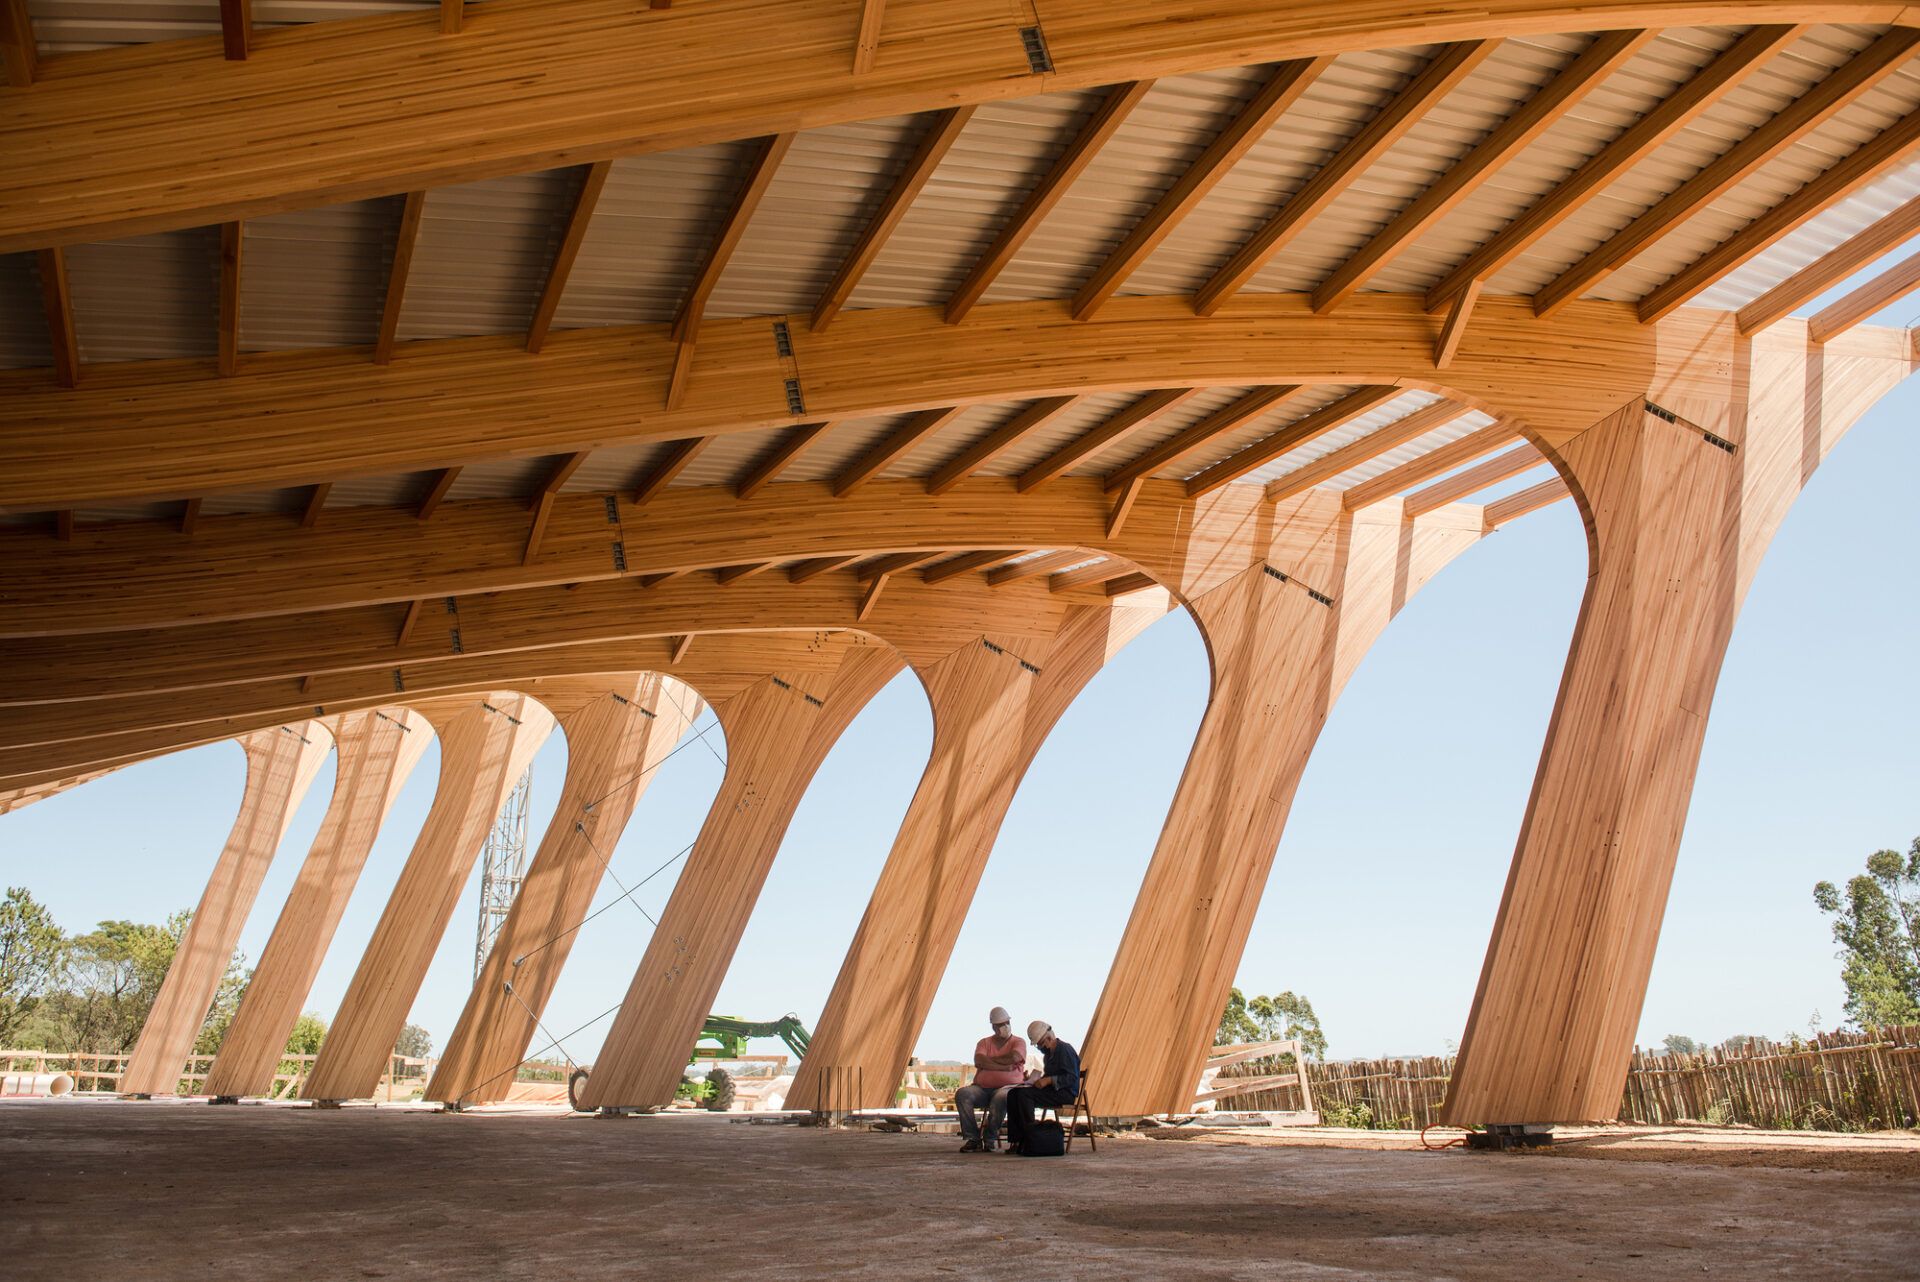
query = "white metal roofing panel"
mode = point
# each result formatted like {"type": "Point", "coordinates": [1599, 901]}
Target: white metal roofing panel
{"type": "Point", "coordinates": [483, 254]}
{"type": "Point", "coordinates": [24, 343]}
{"type": "Point", "coordinates": [1842, 222]}
{"type": "Point", "coordinates": [1438, 140]}
{"type": "Point", "coordinates": [650, 233]}
{"type": "Point", "coordinates": [1330, 112]}
{"type": "Point", "coordinates": [147, 297]}
{"type": "Point", "coordinates": [68, 26]}
{"type": "Point", "coordinates": [1601, 116]}
{"type": "Point", "coordinates": [1779, 180]}
{"type": "Point", "coordinates": [1296, 407]}
{"type": "Point", "coordinates": [1469, 422]}
{"type": "Point", "coordinates": [316, 277]}
{"type": "Point", "coordinates": [820, 200]}
{"type": "Point", "coordinates": [1163, 136]}
{"type": "Point", "coordinates": [999, 157]}
{"type": "Point", "coordinates": [1756, 99]}
{"type": "Point", "coordinates": [1393, 411]}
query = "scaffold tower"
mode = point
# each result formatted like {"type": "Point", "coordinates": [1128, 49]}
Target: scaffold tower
{"type": "Point", "coordinates": [503, 862]}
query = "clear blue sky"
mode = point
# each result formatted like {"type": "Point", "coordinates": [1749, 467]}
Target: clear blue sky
{"type": "Point", "coordinates": [1387, 879]}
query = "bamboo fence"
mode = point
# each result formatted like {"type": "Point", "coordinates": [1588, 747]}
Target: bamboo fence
{"type": "Point", "coordinates": [1858, 1081]}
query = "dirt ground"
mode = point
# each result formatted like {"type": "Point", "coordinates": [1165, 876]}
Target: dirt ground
{"type": "Point", "coordinates": [177, 1190]}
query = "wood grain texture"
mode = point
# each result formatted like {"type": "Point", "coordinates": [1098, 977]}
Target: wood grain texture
{"type": "Point", "coordinates": [485, 745]}
{"type": "Point", "coordinates": [376, 751]}
{"type": "Point", "coordinates": [991, 713]}
{"type": "Point", "coordinates": [777, 736]}
{"type": "Point", "coordinates": [1676, 528]}
{"type": "Point", "coordinates": [613, 745]}
{"type": "Point", "coordinates": [300, 418]}
{"type": "Point", "coordinates": [281, 763]}
{"type": "Point", "coordinates": [1280, 658]}
{"type": "Point", "coordinates": [544, 83]}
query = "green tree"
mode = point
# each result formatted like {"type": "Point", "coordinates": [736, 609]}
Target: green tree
{"type": "Point", "coordinates": [1283, 1017]}
{"type": "Point", "coordinates": [33, 954]}
{"type": "Point", "coordinates": [1876, 922]}
{"type": "Point", "coordinates": [414, 1043]}
{"type": "Point", "coordinates": [113, 975]}
{"type": "Point", "coordinates": [308, 1032]}
{"type": "Point", "coordinates": [1675, 1044]}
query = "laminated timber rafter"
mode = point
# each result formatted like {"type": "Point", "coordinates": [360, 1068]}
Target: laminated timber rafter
{"type": "Point", "coordinates": [936, 447]}
{"type": "Point", "coordinates": [281, 764]}
{"type": "Point", "coordinates": [375, 752]}
{"type": "Point", "coordinates": [615, 739]}
{"type": "Point", "coordinates": [539, 83]}
{"type": "Point", "coordinates": [305, 418]}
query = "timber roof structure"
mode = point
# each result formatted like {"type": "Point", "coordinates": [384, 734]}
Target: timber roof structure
{"type": "Point", "coordinates": [361, 354]}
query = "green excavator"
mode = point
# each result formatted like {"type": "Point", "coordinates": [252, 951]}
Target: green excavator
{"type": "Point", "coordinates": [732, 1035]}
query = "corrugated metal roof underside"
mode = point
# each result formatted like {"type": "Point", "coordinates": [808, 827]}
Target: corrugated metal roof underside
{"type": "Point", "coordinates": [1817, 237]}
{"type": "Point", "coordinates": [316, 277]}
{"type": "Point", "coordinates": [484, 252]}
{"type": "Point", "coordinates": [650, 233]}
{"type": "Point", "coordinates": [24, 341]}
{"type": "Point", "coordinates": [147, 297]}
{"type": "Point", "coordinates": [70, 26]}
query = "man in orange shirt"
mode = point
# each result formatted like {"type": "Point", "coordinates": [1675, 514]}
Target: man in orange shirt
{"type": "Point", "coordinates": [999, 1065]}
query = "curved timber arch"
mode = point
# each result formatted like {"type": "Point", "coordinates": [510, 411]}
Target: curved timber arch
{"type": "Point", "coordinates": [718, 71]}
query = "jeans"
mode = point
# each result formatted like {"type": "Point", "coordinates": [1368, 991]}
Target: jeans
{"type": "Point", "coordinates": [971, 1097]}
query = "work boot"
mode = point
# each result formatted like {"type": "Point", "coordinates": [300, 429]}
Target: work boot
{"type": "Point", "coordinates": [971, 1146]}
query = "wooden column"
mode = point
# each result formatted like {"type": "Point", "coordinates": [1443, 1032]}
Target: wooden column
{"type": "Point", "coordinates": [994, 699]}
{"type": "Point", "coordinates": [281, 763]}
{"type": "Point", "coordinates": [377, 751]}
{"type": "Point", "coordinates": [779, 730]}
{"type": "Point", "coordinates": [1680, 502]}
{"type": "Point", "coordinates": [614, 743]}
{"type": "Point", "coordinates": [485, 745]}
{"type": "Point", "coordinates": [1283, 643]}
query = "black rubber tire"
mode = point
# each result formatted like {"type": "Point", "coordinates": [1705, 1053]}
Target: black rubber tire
{"type": "Point", "coordinates": [573, 1090]}
{"type": "Point", "coordinates": [722, 1082]}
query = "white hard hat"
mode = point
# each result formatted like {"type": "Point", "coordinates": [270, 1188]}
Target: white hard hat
{"type": "Point", "coordinates": [998, 1016]}
{"type": "Point", "coordinates": [1037, 1029]}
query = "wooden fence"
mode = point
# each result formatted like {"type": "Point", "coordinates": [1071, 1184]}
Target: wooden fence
{"type": "Point", "coordinates": [101, 1073]}
{"type": "Point", "coordinates": [1839, 1081]}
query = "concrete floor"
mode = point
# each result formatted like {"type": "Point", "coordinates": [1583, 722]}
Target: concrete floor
{"type": "Point", "coordinates": [166, 1190]}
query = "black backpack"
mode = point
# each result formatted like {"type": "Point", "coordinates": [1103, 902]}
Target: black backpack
{"type": "Point", "coordinates": [1044, 1139]}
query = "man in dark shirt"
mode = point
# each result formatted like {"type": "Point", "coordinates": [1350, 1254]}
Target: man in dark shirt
{"type": "Point", "coordinates": [1057, 1086]}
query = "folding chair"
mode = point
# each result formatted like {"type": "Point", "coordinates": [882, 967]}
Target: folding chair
{"type": "Point", "coordinates": [1081, 1104]}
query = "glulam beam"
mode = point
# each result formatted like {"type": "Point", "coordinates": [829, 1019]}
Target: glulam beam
{"type": "Point", "coordinates": [1440, 77]}
{"type": "Point", "coordinates": [1283, 645]}
{"type": "Point", "coordinates": [935, 142]}
{"type": "Point", "coordinates": [485, 745]}
{"type": "Point", "coordinates": [1609, 51]}
{"type": "Point", "coordinates": [1705, 88]}
{"type": "Point", "coordinates": [1033, 419]}
{"type": "Point", "coordinates": [1096, 441]}
{"type": "Point", "coordinates": [1865, 70]}
{"type": "Point", "coordinates": [236, 28]}
{"type": "Point", "coordinates": [1677, 525]}
{"type": "Point", "coordinates": [1880, 155]}
{"type": "Point", "coordinates": [1884, 290]}
{"type": "Point", "coordinates": [592, 183]}
{"type": "Point", "coordinates": [232, 236]}
{"type": "Point", "coordinates": [18, 52]}
{"type": "Point", "coordinates": [398, 268]}
{"type": "Point", "coordinates": [1369, 447]}
{"type": "Point", "coordinates": [281, 763]}
{"type": "Point", "coordinates": [765, 162]}
{"type": "Point", "coordinates": [293, 418]}
{"type": "Point", "coordinates": [56, 302]}
{"type": "Point", "coordinates": [376, 751]}
{"type": "Point", "coordinates": [995, 699]}
{"type": "Point", "coordinates": [1473, 445]}
{"type": "Point", "coordinates": [1098, 130]}
{"type": "Point", "coordinates": [1228, 418]}
{"type": "Point", "coordinates": [615, 741]}
{"type": "Point", "coordinates": [778, 732]}
{"type": "Point", "coordinates": [1831, 268]}
{"type": "Point", "coordinates": [550, 84]}
{"type": "Point", "coordinates": [1282, 90]}
{"type": "Point", "coordinates": [778, 459]}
